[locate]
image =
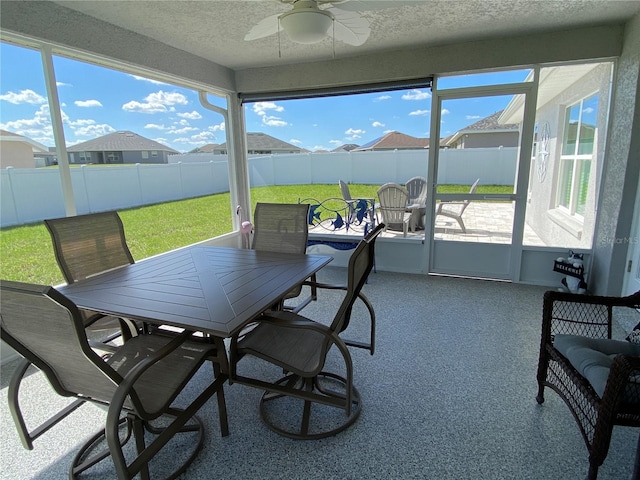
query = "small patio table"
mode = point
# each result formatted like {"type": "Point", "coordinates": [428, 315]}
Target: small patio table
{"type": "Point", "coordinates": [213, 290]}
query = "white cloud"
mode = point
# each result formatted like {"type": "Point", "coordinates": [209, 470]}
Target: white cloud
{"type": "Point", "coordinates": [134, 106]}
{"type": "Point", "coordinates": [183, 122]}
{"type": "Point", "coordinates": [295, 141]}
{"type": "Point", "coordinates": [336, 142]}
{"type": "Point", "coordinates": [167, 98]}
{"type": "Point", "coordinates": [419, 112]}
{"type": "Point", "coordinates": [588, 110]}
{"type": "Point", "coordinates": [416, 94]}
{"type": "Point", "coordinates": [472, 117]}
{"type": "Point", "coordinates": [377, 124]}
{"type": "Point", "coordinates": [317, 147]}
{"type": "Point", "coordinates": [388, 131]}
{"type": "Point", "coordinates": [180, 131]}
{"type": "Point", "coordinates": [381, 98]}
{"type": "Point", "coordinates": [156, 102]}
{"type": "Point", "coordinates": [190, 115]}
{"type": "Point", "coordinates": [154, 126]}
{"type": "Point", "coordinates": [355, 131]}
{"type": "Point", "coordinates": [82, 122]}
{"type": "Point", "coordinates": [62, 84]}
{"type": "Point", "coordinates": [218, 128]}
{"type": "Point", "coordinates": [25, 96]}
{"type": "Point", "coordinates": [93, 130]}
{"type": "Point", "coordinates": [273, 121]}
{"type": "Point", "coordinates": [445, 112]}
{"type": "Point", "coordinates": [261, 108]}
{"type": "Point", "coordinates": [203, 137]}
{"type": "Point", "coordinates": [87, 103]}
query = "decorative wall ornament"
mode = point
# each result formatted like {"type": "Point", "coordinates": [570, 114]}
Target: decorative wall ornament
{"type": "Point", "coordinates": [543, 152]}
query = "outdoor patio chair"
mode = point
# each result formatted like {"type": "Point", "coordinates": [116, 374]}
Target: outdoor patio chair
{"type": "Point", "coordinates": [138, 383]}
{"type": "Point", "coordinates": [454, 209]}
{"type": "Point", "coordinates": [597, 377]}
{"type": "Point", "coordinates": [283, 227]}
{"type": "Point", "coordinates": [394, 199]}
{"type": "Point", "coordinates": [86, 245]}
{"type": "Point", "coordinates": [299, 346]}
{"type": "Point", "coordinates": [417, 189]}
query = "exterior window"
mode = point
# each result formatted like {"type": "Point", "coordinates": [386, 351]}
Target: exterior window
{"type": "Point", "coordinates": [154, 153]}
{"type": "Point", "coordinates": [578, 147]}
{"type": "Point", "coordinates": [114, 157]}
{"type": "Point", "coordinates": [85, 157]}
{"type": "Point", "coordinates": [145, 154]}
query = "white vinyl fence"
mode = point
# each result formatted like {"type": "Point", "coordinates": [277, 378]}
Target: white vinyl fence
{"type": "Point", "coordinates": [31, 195]}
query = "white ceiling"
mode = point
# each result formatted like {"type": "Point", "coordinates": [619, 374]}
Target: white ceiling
{"type": "Point", "coordinates": [215, 29]}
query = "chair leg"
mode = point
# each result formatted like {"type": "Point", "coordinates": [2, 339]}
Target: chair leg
{"type": "Point", "coordinates": [222, 404]}
{"type": "Point", "coordinates": [461, 223]}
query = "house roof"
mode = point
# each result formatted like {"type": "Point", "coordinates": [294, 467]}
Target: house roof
{"type": "Point", "coordinates": [121, 141]}
{"type": "Point", "coordinates": [262, 141]}
{"type": "Point", "coordinates": [347, 147]}
{"type": "Point", "coordinates": [394, 140]}
{"type": "Point", "coordinates": [488, 124]}
{"type": "Point", "coordinates": [37, 147]}
{"type": "Point", "coordinates": [208, 148]}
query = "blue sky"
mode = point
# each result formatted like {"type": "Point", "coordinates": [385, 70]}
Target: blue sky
{"type": "Point", "coordinates": [96, 101]}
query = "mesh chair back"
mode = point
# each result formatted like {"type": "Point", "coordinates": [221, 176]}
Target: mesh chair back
{"type": "Point", "coordinates": [281, 227]}
{"type": "Point", "coordinates": [86, 245]}
{"type": "Point", "coordinates": [47, 329]}
{"type": "Point", "coordinates": [393, 203]}
{"type": "Point", "coordinates": [360, 265]}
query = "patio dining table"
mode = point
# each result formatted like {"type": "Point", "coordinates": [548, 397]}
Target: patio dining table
{"type": "Point", "coordinates": [214, 290]}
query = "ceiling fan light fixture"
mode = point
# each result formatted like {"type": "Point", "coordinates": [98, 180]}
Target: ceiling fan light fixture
{"type": "Point", "coordinates": [306, 26]}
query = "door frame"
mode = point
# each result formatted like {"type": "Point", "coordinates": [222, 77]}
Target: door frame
{"type": "Point", "coordinates": [530, 90]}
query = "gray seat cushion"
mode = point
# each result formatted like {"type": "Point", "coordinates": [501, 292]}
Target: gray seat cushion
{"type": "Point", "coordinates": [592, 357]}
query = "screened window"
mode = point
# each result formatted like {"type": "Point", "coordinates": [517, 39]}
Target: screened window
{"type": "Point", "coordinates": [578, 147]}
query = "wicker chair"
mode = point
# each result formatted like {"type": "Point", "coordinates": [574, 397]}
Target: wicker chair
{"type": "Point", "coordinates": [142, 378]}
{"type": "Point", "coordinates": [577, 362]}
{"type": "Point", "coordinates": [86, 245]}
{"type": "Point", "coordinates": [283, 227]}
{"type": "Point", "coordinates": [299, 346]}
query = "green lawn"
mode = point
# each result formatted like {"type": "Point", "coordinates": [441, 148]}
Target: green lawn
{"type": "Point", "coordinates": [26, 253]}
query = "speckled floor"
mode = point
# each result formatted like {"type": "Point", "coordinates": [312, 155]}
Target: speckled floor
{"type": "Point", "coordinates": [449, 394]}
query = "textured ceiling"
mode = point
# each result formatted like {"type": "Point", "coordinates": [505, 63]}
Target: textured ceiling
{"type": "Point", "coordinates": [215, 29]}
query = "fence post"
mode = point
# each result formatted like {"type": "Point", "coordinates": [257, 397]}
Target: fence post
{"type": "Point", "coordinates": [13, 195]}
{"type": "Point", "coordinates": [83, 168]}
{"type": "Point", "coordinates": [140, 184]}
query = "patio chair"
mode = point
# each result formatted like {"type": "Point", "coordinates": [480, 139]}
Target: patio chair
{"type": "Point", "coordinates": [597, 377]}
{"type": "Point", "coordinates": [454, 209]}
{"type": "Point", "coordinates": [394, 200]}
{"type": "Point", "coordinates": [86, 245]}
{"type": "Point", "coordinates": [283, 227]}
{"type": "Point", "coordinates": [138, 383]}
{"type": "Point", "coordinates": [299, 346]}
{"type": "Point", "coordinates": [417, 189]}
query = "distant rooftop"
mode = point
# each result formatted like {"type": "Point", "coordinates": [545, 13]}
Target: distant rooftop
{"type": "Point", "coordinates": [123, 140]}
{"type": "Point", "coordinates": [395, 141]}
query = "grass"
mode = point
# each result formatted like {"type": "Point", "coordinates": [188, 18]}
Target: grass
{"type": "Point", "coordinates": [26, 253]}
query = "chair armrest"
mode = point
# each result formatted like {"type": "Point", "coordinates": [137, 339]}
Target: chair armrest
{"type": "Point", "coordinates": [623, 385]}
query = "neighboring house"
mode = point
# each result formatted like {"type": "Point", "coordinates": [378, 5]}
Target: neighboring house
{"type": "Point", "coordinates": [120, 147]}
{"type": "Point", "coordinates": [394, 141]}
{"type": "Point", "coordinates": [571, 128]}
{"type": "Point", "coordinates": [345, 148]}
{"type": "Point", "coordinates": [485, 133]}
{"type": "Point", "coordinates": [262, 144]}
{"type": "Point", "coordinates": [208, 148]}
{"type": "Point", "coordinates": [18, 151]}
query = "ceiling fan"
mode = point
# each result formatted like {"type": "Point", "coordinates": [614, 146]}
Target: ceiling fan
{"type": "Point", "coordinates": [309, 21]}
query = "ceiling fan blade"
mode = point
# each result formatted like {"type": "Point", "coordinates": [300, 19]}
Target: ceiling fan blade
{"type": "Point", "coordinates": [264, 28]}
{"type": "Point", "coordinates": [350, 27]}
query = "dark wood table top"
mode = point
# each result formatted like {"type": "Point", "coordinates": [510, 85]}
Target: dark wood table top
{"type": "Point", "coordinates": [215, 290]}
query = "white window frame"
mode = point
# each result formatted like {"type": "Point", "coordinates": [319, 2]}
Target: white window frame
{"type": "Point", "coordinates": [578, 161]}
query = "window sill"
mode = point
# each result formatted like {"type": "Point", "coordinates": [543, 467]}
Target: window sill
{"type": "Point", "coordinates": [566, 222]}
